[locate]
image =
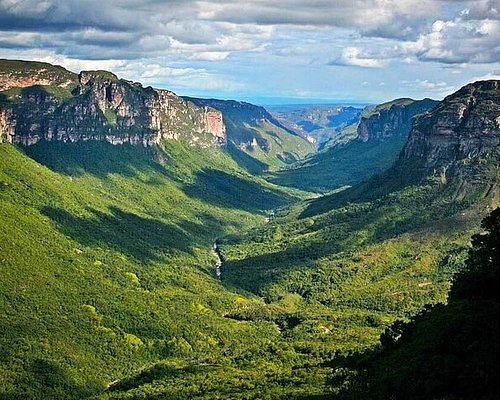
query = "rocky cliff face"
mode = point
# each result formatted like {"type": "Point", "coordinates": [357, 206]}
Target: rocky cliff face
{"type": "Point", "coordinates": [460, 137]}
{"type": "Point", "coordinates": [99, 106]}
{"type": "Point", "coordinates": [20, 74]}
{"type": "Point", "coordinates": [241, 119]}
{"type": "Point", "coordinates": [391, 119]}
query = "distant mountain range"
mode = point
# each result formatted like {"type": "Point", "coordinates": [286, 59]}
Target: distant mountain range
{"type": "Point", "coordinates": [113, 195]}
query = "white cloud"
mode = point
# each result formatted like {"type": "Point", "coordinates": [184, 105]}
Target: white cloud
{"type": "Point", "coordinates": [459, 41]}
{"type": "Point", "coordinates": [436, 88]}
{"type": "Point", "coordinates": [354, 56]}
{"type": "Point", "coordinates": [210, 55]}
{"type": "Point", "coordinates": [488, 76]}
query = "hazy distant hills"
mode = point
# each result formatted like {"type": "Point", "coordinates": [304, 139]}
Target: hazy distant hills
{"type": "Point", "coordinates": [321, 123]}
{"type": "Point", "coordinates": [112, 196]}
{"type": "Point", "coordinates": [360, 150]}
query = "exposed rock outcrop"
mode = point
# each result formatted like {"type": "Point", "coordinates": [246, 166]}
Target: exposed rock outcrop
{"type": "Point", "coordinates": [391, 119]}
{"type": "Point", "coordinates": [100, 106]}
{"type": "Point", "coordinates": [461, 136]}
{"type": "Point", "coordinates": [241, 119]}
{"type": "Point", "coordinates": [20, 74]}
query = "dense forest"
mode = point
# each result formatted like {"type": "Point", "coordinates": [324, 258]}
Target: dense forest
{"type": "Point", "coordinates": [149, 250]}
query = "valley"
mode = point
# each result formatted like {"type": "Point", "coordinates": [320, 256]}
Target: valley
{"type": "Point", "coordinates": [164, 247]}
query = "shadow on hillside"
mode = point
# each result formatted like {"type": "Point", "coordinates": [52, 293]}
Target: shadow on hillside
{"type": "Point", "coordinates": [93, 157]}
{"type": "Point", "coordinates": [139, 237]}
{"type": "Point", "coordinates": [346, 230]}
{"type": "Point", "coordinates": [247, 162]}
{"type": "Point", "coordinates": [228, 190]}
{"type": "Point", "coordinates": [253, 274]}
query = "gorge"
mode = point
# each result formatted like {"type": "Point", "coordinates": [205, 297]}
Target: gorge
{"type": "Point", "coordinates": [325, 263]}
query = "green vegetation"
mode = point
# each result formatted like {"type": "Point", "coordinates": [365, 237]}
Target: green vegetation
{"type": "Point", "coordinates": [341, 165]}
{"type": "Point", "coordinates": [453, 348]}
{"type": "Point", "coordinates": [376, 109]}
{"type": "Point", "coordinates": [358, 150]}
{"type": "Point", "coordinates": [108, 254]}
{"type": "Point", "coordinates": [257, 141]}
{"type": "Point", "coordinates": [113, 295]}
{"type": "Point", "coordinates": [39, 70]}
{"type": "Point", "coordinates": [106, 263]}
{"type": "Point", "coordinates": [326, 285]}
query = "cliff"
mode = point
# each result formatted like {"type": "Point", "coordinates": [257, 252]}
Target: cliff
{"type": "Point", "coordinates": [460, 137]}
{"type": "Point", "coordinates": [39, 103]}
{"type": "Point", "coordinates": [256, 137]}
{"type": "Point", "coordinates": [391, 119]}
{"type": "Point", "coordinates": [240, 118]}
{"type": "Point", "coordinates": [20, 74]}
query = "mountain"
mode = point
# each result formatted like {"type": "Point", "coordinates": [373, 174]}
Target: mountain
{"type": "Point", "coordinates": [460, 138]}
{"type": "Point", "coordinates": [455, 146]}
{"type": "Point", "coordinates": [377, 138]}
{"type": "Point", "coordinates": [257, 140]}
{"type": "Point", "coordinates": [105, 254]}
{"type": "Point", "coordinates": [356, 261]}
{"type": "Point", "coordinates": [42, 102]}
{"type": "Point", "coordinates": [391, 119]}
{"type": "Point", "coordinates": [322, 123]}
{"type": "Point", "coordinates": [106, 265]}
{"type": "Point", "coordinates": [140, 258]}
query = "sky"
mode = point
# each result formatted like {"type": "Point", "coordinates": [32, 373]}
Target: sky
{"type": "Point", "coordinates": [266, 51]}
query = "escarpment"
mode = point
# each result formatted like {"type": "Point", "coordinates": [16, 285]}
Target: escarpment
{"type": "Point", "coordinates": [460, 137]}
{"type": "Point", "coordinates": [97, 105]}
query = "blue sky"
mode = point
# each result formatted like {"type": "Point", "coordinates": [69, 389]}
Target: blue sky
{"type": "Point", "coordinates": [265, 51]}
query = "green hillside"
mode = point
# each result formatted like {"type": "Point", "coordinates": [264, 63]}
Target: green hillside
{"type": "Point", "coordinates": [453, 348]}
{"type": "Point", "coordinates": [358, 150]}
{"type": "Point", "coordinates": [106, 262]}
{"type": "Point", "coordinates": [339, 166]}
{"type": "Point", "coordinates": [115, 284]}
{"type": "Point", "coordinates": [256, 140]}
{"type": "Point", "coordinates": [330, 284]}
{"type": "Point", "coordinates": [109, 254]}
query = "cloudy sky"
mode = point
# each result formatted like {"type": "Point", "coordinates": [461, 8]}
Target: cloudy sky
{"type": "Point", "coordinates": [266, 51]}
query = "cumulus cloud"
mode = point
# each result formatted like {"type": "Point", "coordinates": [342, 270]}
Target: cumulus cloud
{"type": "Point", "coordinates": [375, 17]}
{"type": "Point", "coordinates": [481, 9]}
{"type": "Point", "coordinates": [354, 56]}
{"type": "Point", "coordinates": [220, 38]}
{"type": "Point", "coordinates": [122, 23]}
{"type": "Point", "coordinates": [428, 85]}
{"type": "Point", "coordinates": [176, 78]}
{"type": "Point", "coordinates": [123, 29]}
{"type": "Point", "coordinates": [211, 30]}
{"type": "Point", "coordinates": [459, 41]}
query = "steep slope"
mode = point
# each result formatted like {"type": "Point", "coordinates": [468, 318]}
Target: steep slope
{"type": "Point", "coordinates": [106, 263]}
{"type": "Point", "coordinates": [380, 135]}
{"type": "Point", "coordinates": [378, 256]}
{"type": "Point", "coordinates": [332, 281]}
{"type": "Point", "coordinates": [42, 102]}
{"type": "Point", "coordinates": [111, 196]}
{"type": "Point", "coordinates": [257, 141]}
{"type": "Point", "coordinates": [456, 146]}
{"type": "Point", "coordinates": [458, 138]}
{"type": "Point", "coordinates": [453, 348]}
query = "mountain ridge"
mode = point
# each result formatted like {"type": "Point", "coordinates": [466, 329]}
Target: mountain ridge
{"type": "Point", "coordinates": [96, 105]}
